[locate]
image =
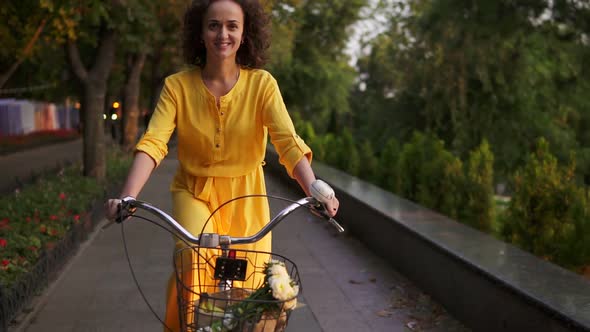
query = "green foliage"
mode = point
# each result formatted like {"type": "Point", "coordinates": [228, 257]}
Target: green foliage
{"type": "Point", "coordinates": [431, 175]}
{"type": "Point", "coordinates": [478, 210]}
{"type": "Point", "coordinates": [548, 213]}
{"type": "Point", "coordinates": [20, 21]}
{"type": "Point", "coordinates": [285, 18]}
{"type": "Point", "coordinates": [409, 164]}
{"type": "Point", "coordinates": [307, 132]}
{"type": "Point", "coordinates": [46, 65]}
{"type": "Point", "coordinates": [369, 162]}
{"type": "Point", "coordinates": [330, 149]}
{"type": "Point", "coordinates": [37, 217]}
{"type": "Point", "coordinates": [315, 77]}
{"type": "Point", "coordinates": [388, 166]}
{"type": "Point", "coordinates": [27, 43]}
{"type": "Point", "coordinates": [433, 70]}
{"type": "Point", "coordinates": [348, 155]}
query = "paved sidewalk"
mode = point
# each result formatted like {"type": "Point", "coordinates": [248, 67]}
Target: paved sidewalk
{"type": "Point", "coordinates": [345, 287]}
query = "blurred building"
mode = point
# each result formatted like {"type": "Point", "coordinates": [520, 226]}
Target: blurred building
{"type": "Point", "coordinates": [23, 117]}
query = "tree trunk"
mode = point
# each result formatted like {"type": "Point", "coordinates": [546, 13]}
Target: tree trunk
{"type": "Point", "coordinates": [95, 86]}
{"type": "Point", "coordinates": [156, 78]}
{"type": "Point", "coordinates": [131, 101]}
{"type": "Point", "coordinates": [93, 133]}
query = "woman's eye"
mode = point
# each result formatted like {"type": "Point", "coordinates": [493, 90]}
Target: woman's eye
{"type": "Point", "coordinates": [213, 26]}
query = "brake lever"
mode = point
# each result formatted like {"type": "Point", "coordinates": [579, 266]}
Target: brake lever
{"type": "Point", "coordinates": [321, 212]}
{"type": "Point", "coordinates": [123, 213]}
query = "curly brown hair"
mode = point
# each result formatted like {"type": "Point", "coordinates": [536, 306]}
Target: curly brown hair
{"type": "Point", "coordinates": [252, 53]}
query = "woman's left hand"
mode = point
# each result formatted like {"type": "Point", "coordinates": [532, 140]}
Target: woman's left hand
{"type": "Point", "coordinates": [332, 206]}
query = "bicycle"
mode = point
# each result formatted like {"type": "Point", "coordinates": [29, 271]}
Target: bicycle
{"type": "Point", "coordinates": [235, 289]}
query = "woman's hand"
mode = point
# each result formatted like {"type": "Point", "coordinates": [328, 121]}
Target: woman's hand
{"type": "Point", "coordinates": [322, 191]}
{"type": "Point", "coordinates": [316, 188]}
{"type": "Point", "coordinates": [332, 206]}
{"type": "Point", "coordinates": [139, 173]}
{"type": "Point", "coordinates": [111, 208]}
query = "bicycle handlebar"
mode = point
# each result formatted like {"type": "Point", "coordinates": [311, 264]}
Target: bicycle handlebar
{"type": "Point", "coordinates": [320, 190]}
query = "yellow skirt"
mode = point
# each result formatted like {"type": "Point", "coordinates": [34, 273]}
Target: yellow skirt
{"type": "Point", "coordinates": [194, 199]}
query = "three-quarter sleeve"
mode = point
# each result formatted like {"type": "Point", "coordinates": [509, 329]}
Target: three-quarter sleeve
{"type": "Point", "coordinates": [163, 122]}
{"type": "Point", "coordinates": [289, 146]}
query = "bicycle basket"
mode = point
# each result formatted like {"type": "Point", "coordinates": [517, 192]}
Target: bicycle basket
{"type": "Point", "coordinates": [228, 292]}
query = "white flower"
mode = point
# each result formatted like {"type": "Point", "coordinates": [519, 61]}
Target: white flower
{"type": "Point", "coordinates": [280, 282]}
{"type": "Point", "coordinates": [277, 268]}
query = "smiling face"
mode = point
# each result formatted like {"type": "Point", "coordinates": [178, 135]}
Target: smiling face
{"type": "Point", "coordinates": [223, 28]}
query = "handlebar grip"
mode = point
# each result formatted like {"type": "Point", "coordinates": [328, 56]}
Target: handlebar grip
{"type": "Point", "coordinates": [321, 191]}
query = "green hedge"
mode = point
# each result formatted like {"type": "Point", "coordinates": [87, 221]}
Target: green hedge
{"type": "Point", "coordinates": [37, 216]}
{"type": "Point", "coordinates": [548, 213]}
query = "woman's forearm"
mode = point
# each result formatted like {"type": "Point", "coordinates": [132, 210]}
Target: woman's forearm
{"type": "Point", "coordinates": [140, 171]}
{"type": "Point", "coordinates": [304, 175]}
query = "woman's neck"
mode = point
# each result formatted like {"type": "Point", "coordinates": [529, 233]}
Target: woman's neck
{"type": "Point", "coordinates": [222, 72]}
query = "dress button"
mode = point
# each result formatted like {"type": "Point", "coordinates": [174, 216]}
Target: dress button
{"type": "Point", "coordinates": [221, 113]}
{"type": "Point", "coordinates": [216, 145]}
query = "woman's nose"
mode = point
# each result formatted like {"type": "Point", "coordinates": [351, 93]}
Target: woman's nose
{"type": "Point", "coordinates": [223, 32]}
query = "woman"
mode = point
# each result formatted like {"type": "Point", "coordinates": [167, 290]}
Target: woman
{"type": "Point", "coordinates": [222, 111]}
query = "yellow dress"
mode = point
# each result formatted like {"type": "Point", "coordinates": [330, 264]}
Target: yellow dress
{"type": "Point", "coordinates": [221, 153]}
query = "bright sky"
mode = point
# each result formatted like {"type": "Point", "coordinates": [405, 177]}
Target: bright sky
{"type": "Point", "coordinates": [374, 23]}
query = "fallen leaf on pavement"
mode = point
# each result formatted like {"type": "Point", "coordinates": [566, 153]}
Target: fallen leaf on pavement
{"type": "Point", "coordinates": [384, 313]}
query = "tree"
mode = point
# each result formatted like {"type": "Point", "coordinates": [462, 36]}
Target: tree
{"type": "Point", "coordinates": [93, 26]}
{"type": "Point", "coordinates": [32, 63]}
{"type": "Point", "coordinates": [90, 34]}
{"type": "Point", "coordinates": [388, 161]}
{"type": "Point", "coordinates": [142, 21]}
{"type": "Point", "coordinates": [131, 111]}
{"type": "Point", "coordinates": [23, 26]}
{"type": "Point", "coordinates": [548, 213]}
{"type": "Point", "coordinates": [27, 49]}
{"type": "Point", "coordinates": [284, 20]}
{"type": "Point", "coordinates": [93, 78]}
{"type": "Point", "coordinates": [316, 79]}
{"type": "Point", "coordinates": [369, 163]}
{"type": "Point", "coordinates": [166, 55]}
{"type": "Point", "coordinates": [467, 70]}
{"type": "Point", "coordinates": [430, 175]}
{"type": "Point", "coordinates": [478, 210]}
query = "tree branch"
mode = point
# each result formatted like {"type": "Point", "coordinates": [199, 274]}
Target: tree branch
{"type": "Point", "coordinates": [106, 54]}
{"type": "Point", "coordinates": [26, 52]}
{"type": "Point", "coordinates": [75, 61]}
{"type": "Point", "coordinates": [137, 66]}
